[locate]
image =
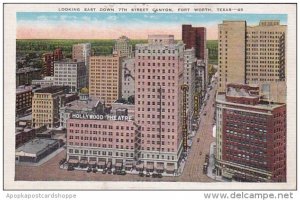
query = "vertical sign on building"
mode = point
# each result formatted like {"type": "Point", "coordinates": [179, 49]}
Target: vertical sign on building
{"type": "Point", "coordinates": [196, 104]}
{"type": "Point", "coordinates": [184, 117]}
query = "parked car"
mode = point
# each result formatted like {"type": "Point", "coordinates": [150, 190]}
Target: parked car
{"type": "Point", "coordinates": [159, 175]}
{"type": "Point", "coordinates": [154, 175]}
{"type": "Point", "coordinates": [148, 174]}
{"type": "Point", "coordinates": [122, 173]}
{"type": "Point", "coordinates": [70, 168]}
{"type": "Point", "coordinates": [89, 170]}
{"type": "Point", "coordinates": [109, 171]}
{"type": "Point", "coordinates": [104, 171]}
{"type": "Point", "coordinates": [62, 161]}
{"type": "Point", "coordinates": [141, 174]}
{"type": "Point", "coordinates": [95, 170]}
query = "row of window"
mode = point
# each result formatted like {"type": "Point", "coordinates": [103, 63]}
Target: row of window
{"type": "Point", "coordinates": [117, 127]}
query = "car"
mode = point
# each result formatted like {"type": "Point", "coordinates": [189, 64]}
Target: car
{"type": "Point", "coordinates": [159, 175]}
{"type": "Point", "coordinates": [70, 168]}
{"type": "Point", "coordinates": [62, 161]}
{"type": "Point", "coordinates": [154, 175]}
{"type": "Point", "coordinates": [95, 170]}
{"type": "Point", "coordinates": [109, 171]}
{"type": "Point", "coordinates": [141, 174]}
{"type": "Point", "coordinates": [89, 170]}
{"type": "Point", "coordinates": [115, 172]}
{"type": "Point", "coordinates": [104, 171]}
{"type": "Point", "coordinates": [122, 173]}
{"type": "Point", "coordinates": [148, 174]}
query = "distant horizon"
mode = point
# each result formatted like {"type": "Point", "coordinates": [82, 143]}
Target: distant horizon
{"type": "Point", "coordinates": [89, 39]}
{"type": "Point", "coordinates": [136, 26]}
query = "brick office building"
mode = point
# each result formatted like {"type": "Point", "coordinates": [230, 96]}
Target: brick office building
{"type": "Point", "coordinates": [251, 136]}
{"type": "Point", "coordinates": [48, 59]}
{"type": "Point", "coordinates": [102, 140]}
{"type": "Point", "coordinates": [195, 37]}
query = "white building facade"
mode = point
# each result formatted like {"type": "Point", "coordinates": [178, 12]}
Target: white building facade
{"type": "Point", "coordinates": [123, 46]}
{"type": "Point", "coordinates": [127, 78]}
{"type": "Point", "coordinates": [70, 73]}
{"type": "Point", "coordinates": [189, 80]}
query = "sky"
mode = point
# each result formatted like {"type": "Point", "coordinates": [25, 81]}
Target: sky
{"type": "Point", "coordinates": [86, 25]}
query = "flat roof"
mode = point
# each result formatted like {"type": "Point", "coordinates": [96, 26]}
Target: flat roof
{"type": "Point", "coordinates": [36, 145]}
{"type": "Point", "coordinates": [51, 89]}
{"type": "Point", "coordinates": [27, 69]}
{"type": "Point", "coordinates": [221, 98]}
{"type": "Point", "coordinates": [234, 92]}
{"type": "Point", "coordinates": [81, 104]}
{"type": "Point", "coordinates": [25, 118]}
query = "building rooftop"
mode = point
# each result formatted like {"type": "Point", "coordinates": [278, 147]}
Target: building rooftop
{"type": "Point", "coordinates": [221, 98]}
{"type": "Point", "coordinates": [68, 61]}
{"type": "Point", "coordinates": [51, 89]}
{"type": "Point", "coordinates": [25, 118]}
{"type": "Point", "coordinates": [234, 92]}
{"type": "Point", "coordinates": [36, 145]}
{"type": "Point", "coordinates": [23, 88]}
{"type": "Point", "coordinates": [82, 104]}
{"type": "Point", "coordinates": [27, 69]}
{"type": "Point", "coordinates": [21, 130]}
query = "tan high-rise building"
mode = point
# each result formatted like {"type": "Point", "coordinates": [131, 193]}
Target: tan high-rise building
{"type": "Point", "coordinates": [45, 106]}
{"type": "Point", "coordinates": [253, 54]}
{"type": "Point", "coordinates": [105, 78]}
{"type": "Point", "coordinates": [123, 46]}
{"type": "Point", "coordinates": [232, 53]}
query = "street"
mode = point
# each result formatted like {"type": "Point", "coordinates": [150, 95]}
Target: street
{"type": "Point", "coordinates": [194, 165]}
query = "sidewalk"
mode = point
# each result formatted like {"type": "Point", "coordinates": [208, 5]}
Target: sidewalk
{"type": "Point", "coordinates": [211, 164]}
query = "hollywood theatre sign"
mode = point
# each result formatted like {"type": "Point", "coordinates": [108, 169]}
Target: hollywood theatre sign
{"type": "Point", "coordinates": [100, 117]}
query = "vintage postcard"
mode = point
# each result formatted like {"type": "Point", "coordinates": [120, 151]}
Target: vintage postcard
{"type": "Point", "coordinates": [150, 96]}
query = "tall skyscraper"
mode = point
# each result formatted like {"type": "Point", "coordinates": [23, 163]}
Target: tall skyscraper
{"type": "Point", "coordinates": [195, 37]}
{"type": "Point", "coordinates": [105, 78]}
{"type": "Point", "coordinates": [82, 52]}
{"type": "Point", "coordinates": [190, 62]}
{"type": "Point", "coordinates": [253, 54]}
{"type": "Point", "coordinates": [48, 59]}
{"type": "Point", "coordinates": [122, 45]}
{"type": "Point", "coordinates": [70, 73]}
{"type": "Point", "coordinates": [159, 68]}
{"type": "Point", "coordinates": [251, 136]}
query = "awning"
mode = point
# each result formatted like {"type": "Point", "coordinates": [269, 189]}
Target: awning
{"type": "Point", "coordinates": [109, 164]}
{"type": "Point", "coordinates": [128, 165]}
{"type": "Point", "coordinates": [119, 164]}
{"type": "Point", "coordinates": [101, 163]}
{"type": "Point", "coordinates": [150, 166]}
{"type": "Point", "coordinates": [92, 162]}
{"type": "Point", "coordinates": [160, 166]}
{"type": "Point", "coordinates": [73, 161]}
{"type": "Point", "coordinates": [140, 166]}
{"type": "Point", "coordinates": [83, 162]}
{"type": "Point", "coordinates": [170, 168]}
